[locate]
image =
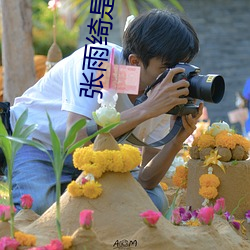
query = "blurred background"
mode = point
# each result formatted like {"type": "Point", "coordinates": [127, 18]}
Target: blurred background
{"type": "Point", "coordinates": [26, 36]}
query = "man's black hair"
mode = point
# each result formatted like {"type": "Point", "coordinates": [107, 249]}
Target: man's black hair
{"type": "Point", "coordinates": [162, 34]}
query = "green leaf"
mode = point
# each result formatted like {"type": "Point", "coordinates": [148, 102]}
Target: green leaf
{"type": "Point", "coordinates": [5, 144]}
{"type": "Point", "coordinates": [172, 207]}
{"type": "Point", "coordinates": [20, 123]}
{"type": "Point", "coordinates": [56, 147]}
{"type": "Point", "coordinates": [71, 136]}
{"type": "Point", "coordinates": [24, 134]}
{"type": "Point", "coordinates": [35, 144]}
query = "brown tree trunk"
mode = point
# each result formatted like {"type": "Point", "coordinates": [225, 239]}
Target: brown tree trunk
{"type": "Point", "coordinates": [17, 47]}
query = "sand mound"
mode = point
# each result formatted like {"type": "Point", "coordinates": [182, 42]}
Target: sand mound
{"type": "Point", "coordinates": [117, 224]}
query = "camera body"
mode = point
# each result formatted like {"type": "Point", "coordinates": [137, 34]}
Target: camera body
{"type": "Point", "coordinates": [209, 88]}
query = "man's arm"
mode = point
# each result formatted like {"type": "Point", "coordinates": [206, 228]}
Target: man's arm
{"type": "Point", "coordinates": [152, 172]}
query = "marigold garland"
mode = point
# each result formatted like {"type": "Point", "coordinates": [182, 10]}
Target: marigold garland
{"type": "Point", "coordinates": [95, 163]}
{"type": "Point", "coordinates": [209, 180]}
{"type": "Point", "coordinates": [24, 239]}
{"type": "Point", "coordinates": [98, 162]}
{"type": "Point", "coordinates": [180, 177]}
{"type": "Point", "coordinates": [208, 192]}
{"type": "Point", "coordinates": [206, 141]}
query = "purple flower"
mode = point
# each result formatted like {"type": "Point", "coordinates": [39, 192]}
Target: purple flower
{"type": "Point", "coordinates": [248, 216]}
{"type": "Point", "coordinates": [236, 224]}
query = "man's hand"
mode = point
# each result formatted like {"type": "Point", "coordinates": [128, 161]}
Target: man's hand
{"type": "Point", "coordinates": [167, 94]}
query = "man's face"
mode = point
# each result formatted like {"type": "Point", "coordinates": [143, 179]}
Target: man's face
{"type": "Point", "coordinates": [149, 75]}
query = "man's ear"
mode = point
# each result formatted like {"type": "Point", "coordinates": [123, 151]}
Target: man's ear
{"type": "Point", "coordinates": [134, 60]}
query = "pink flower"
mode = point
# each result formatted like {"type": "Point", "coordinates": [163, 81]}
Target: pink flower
{"type": "Point", "coordinates": [206, 215]}
{"type": "Point", "coordinates": [8, 243]}
{"type": "Point", "coordinates": [176, 217]}
{"type": "Point", "coordinates": [26, 201]}
{"type": "Point", "coordinates": [150, 217]}
{"type": "Point", "coordinates": [86, 218]}
{"type": "Point", "coordinates": [5, 212]}
{"type": "Point", "coordinates": [55, 245]}
{"type": "Point", "coordinates": [219, 206]}
{"type": "Point", "coordinates": [54, 4]}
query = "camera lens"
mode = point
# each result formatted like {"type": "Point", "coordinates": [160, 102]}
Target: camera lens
{"type": "Point", "coordinates": [209, 88]}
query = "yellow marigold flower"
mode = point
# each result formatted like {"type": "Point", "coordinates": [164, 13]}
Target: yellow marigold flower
{"type": "Point", "coordinates": [206, 141]}
{"type": "Point", "coordinates": [94, 169]}
{"type": "Point", "coordinates": [209, 180]}
{"type": "Point", "coordinates": [131, 157]}
{"type": "Point", "coordinates": [83, 156]}
{"type": "Point", "coordinates": [97, 162]}
{"type": "Point", "coordinates": [180, 177]}
{"type": "Point", "coordinates": [225, 139]}
{"type": "Point", "coordinates": [164, 186]}
{"type": "Point", "coordinates": [208, 192]}
{"type": "Point", "coordinates": [75, 189]}
{"type": "Point", "coordinates": [67, 242]}
{"type": "Point", "coordinates": [92, 189]}
{"type": "Point", "coordinates": [27, 240]}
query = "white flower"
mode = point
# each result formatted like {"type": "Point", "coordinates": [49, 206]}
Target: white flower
{"type": "Point", "coordinates": [217, 127]}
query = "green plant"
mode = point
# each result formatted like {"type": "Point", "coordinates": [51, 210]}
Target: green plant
{"type": "Point", "coordinates": [42, 19]}
{"type": "Point", "coordinates": [60, 152]}
{"type": "Point", "coordinates": [10, 148]}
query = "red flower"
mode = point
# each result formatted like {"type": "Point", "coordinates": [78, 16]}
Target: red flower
{"type": "Point", "coordinates": [26, 201]}
{"type": "Point", "coordinates": [150, 217]}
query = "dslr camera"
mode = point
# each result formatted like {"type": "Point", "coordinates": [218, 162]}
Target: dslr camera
{"type": "Point", "coordinates": [209, 88]}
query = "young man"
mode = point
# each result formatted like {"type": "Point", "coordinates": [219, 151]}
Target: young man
{"type": "Point", "coordinates": [154, 41]}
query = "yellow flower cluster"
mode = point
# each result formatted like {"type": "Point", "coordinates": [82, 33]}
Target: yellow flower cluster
{"type": "Point", "coordinates": [98, 162]}
{"type": "Point", "coordinates": [208, 186]}
{"type": "Point", "coordinates": [180, 177]}
{"type": "Point", "coordinates": [27, 240]}
{"type": "Point", "coordinates": [90, 189]}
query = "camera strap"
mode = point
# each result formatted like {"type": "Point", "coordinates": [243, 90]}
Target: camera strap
{"type": "Point", "coordinates": [131, 138]}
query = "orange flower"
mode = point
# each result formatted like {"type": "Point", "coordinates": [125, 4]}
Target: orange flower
{"type": "Point", "coordinates": [209, 180]}
{"type": "Point", "coordinates": [208, 192]}
{"type": "Point", "coordinates": [206, 141]}
{"type": "Point", "coordinates": [226, 140]}
{"type": "Point", "coordinates": [180, 177]}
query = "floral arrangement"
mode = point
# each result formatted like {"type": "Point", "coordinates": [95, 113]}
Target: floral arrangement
{"type": "Point", "coordinates": [221, 141]}
{"type": "Point", "coordinates": [208, 186]}
{"type": "Point", "coordinates": [105, 154]}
